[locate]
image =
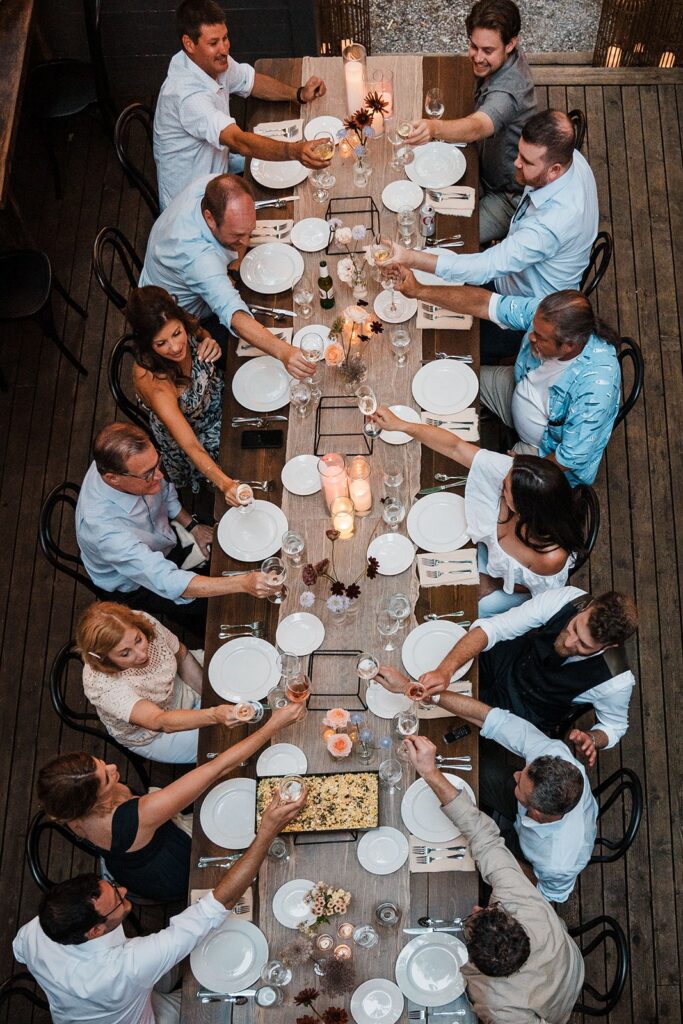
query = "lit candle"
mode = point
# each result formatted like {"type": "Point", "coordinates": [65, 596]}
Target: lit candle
{"type": "Point", "coordinates": [342, 517]}
{"type": "Point", "coordinates": [342, 952]}
{"type": "Point", "coordinates": [358, 473]}
{"type": "Point", "coordinates": [333, 478]}
{"type": "Point", "coordinates": [327, 733]}
{"type": "Point", "coordinates": [345, 148]}
{"type": "Point", "coordinates": [324, 942]}
{"type": "Point", "coordinates": [345, 930]}
{"type": "Point", "coordinates": [354, 76]}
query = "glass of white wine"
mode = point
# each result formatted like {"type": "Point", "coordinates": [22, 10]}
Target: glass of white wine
{"type": "Point", "coordinates": [367, 403]}
{"type": "Point", "coordinates": [434, 104]}
{"type": "Point", "coordinates": [322, 179]}
{"type": "Point", "coordinates": [302, 295]}
{"type": "Point", "coordinates": [313, 347]}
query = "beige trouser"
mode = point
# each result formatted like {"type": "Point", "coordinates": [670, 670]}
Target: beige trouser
{"type": "Point", "coordinates": [166, 998]}
{"type": "Point", "coordinates": [496, 388]}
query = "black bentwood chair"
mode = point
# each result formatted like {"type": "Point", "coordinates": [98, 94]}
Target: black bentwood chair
{"type": "Point", "coordinates": [601, 254]}
{"type": "Point", "coordinates": [603, 1002]}
{"type": "Point", "coordinates": [109, 244]}
{"type": "Point", "coordinates": [17, 985]}
{"type": "Point", "coordinates": [592, 526]}
{"type": "Point", "coordinates": [134, 121]}
{"type": "Point", "coordinates": [79, 720]}
{"type": "Point", "coordinates": [59, 500]}
{"type": "Point", "coordinates": [630, 350]}
{"type": "Point", "coordinates": [578, 120]}
{"type": "Point", "coordinates": [121, 353]}
{"type": "Point", "coordinates": [623, 780]}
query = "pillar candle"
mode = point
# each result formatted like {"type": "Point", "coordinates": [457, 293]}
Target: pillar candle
{"type": "Point", "coordinates": [333, 478]}
{"type": "Point", "coordinates": [360, 492]}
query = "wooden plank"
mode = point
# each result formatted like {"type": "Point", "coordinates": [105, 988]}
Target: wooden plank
{"type": "Point", "coordinates": [15, 26]}
{"type": "Point", "coordinates": [606, 76]}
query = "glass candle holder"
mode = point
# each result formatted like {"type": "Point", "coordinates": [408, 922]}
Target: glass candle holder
{"type": "Point", "coordinates": [360, 492]}
{"type": "Point", "coordinates": [342, 951]}
{"type": "Point", "coordinates": [354, 57]}
{"type": "Point", "coordinates": [333, 479]}
{"type": "Point", "coordinates": [342, 517]}
{"type": "Point", "coordinates": [345, 930]}
{"type": "Point", "coordinates": [382, 83]}
{"type": "Point", "coordinates": [324, 943]}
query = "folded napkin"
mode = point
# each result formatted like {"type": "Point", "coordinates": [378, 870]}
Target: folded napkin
{"type": "Point", "coordinates": [463, 686]}
{"type": "Point", "coordinates": [275, 129]}
{"type": "Point", "coordinates": [245, 349]}
{"type": "Point", "coordinates": [451, 574]}
{"type": "Point", "coordinates": [271, 231]}
{"type": "Point", "coordinates": [247, 897]}
{"type": "Point", "coordinates": [452, 206]}
{"type": "Point", "coordinates": [465, 424]}
{"type": "Point", "coordinates": [441, 319]}
{"type": "Point", "coordinates": [465, 864]}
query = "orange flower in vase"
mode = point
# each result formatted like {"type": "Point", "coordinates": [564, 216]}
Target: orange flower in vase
{"type": "Point", "coordinates": [338, 718]}
{"type": "Point", "coordinates": [340, 745]}
{"type": "Point", "coordinates": [334, 354]}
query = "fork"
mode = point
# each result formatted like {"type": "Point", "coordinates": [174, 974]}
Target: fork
{"type": "Point", "coordinates": [439, 194]}
{"type": "Point", "coordinates": [433, 422]}
{"type": "Point", "coordinates": [289, 132]}
{"type": "Point", "coordinates": [257, 624]}
{"type": "Point", "coordinates": [279, 225]}
{"type": "Point", "coordinates": [241, 908]}
{"type": "Point", "coordinates": [270, 233]}
{"type": "Point", "coordinates": [434, 308]}
{"type": "Point", "coordinates": [258, 485]}
{"type": "Point", "coordinates": [434, 574]}
{"type": "Point", "coordinates": [434, 314]}
{"type": "Point", "coordinates": [430, 858]}
{"type": "Point", "coordinates": [434, 562]}
{"type": "Point", "coordinates": [234, 636]}
{"type": "Point", "coordinates": [440, 487]}
{"type": "Point", "coordinates": [423, 851]}
{"type": "Point", "coordinates": [443, 477]}
{"type": "Point", "coordinates": [447, 238]}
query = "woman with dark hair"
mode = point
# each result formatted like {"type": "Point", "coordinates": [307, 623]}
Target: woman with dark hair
{"type": "Point", "coordinates": [528, 522]}
{"type": "Point", "coordinates": [177, 381]}
{"type": "Point", "coordinates": [143, 840]}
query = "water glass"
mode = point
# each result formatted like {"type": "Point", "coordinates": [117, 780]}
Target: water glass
{"type": "Point", "coordinates": [302, 295]}
{"type": "Point", "coordinates": [387, 626]}
{"type": "Point", "coordinates": [407, 222]}
{"type": "Point", "coordinates": [276, 972]}
{"type": "Point", "coordinates": [387, 914]}
{"type": "Point", "coordinates": [398, 605]}
{"type": "Point", "coordinates": [269, 995]}
{"type": "Point", "coordinates": [245, 496]}
{"type": "Point", "coordinates": [434, 104]}
{"type": "Point", "coordinates": [289, 664]}
{"type": "Point", "coordinates": [276, 571]}
{"type": "Point", "coordinates": [293, 547]}
{"type": "Point", "coordinates": [393, 512]}
{"type": "Point", "coordinates": [393, 475]}
{"type": "Point", "coordinates": [367, 666]}
{"type": "Point", "coordinates": [405, 723]}
{"type": "Point", "coordinates": [366, 744]}
{"type": "Point", "coordinates": [279, 850]}
{"type": "Point", "coordinates": [291, 788]}
{"type": "Point", "coordinates": [399, 342]}
{"type": "Point", "coordinates": [365, 936]}
{"type": "Point", "coordinates": [300, 395]}
{"type": "Point", "coordinates": [390, 775]}
{"type": "Point", "coordinates": [277, 698]}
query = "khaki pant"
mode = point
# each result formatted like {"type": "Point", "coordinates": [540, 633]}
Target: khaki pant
{"type": "Point", "coordinates": [496, 388]}
{"type": "Point", "coordinates": [496, 210]}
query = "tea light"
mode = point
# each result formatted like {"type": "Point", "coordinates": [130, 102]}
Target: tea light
{"type": "Point", "coordinates": [342, 952]}
{"type": "Point", "coordinates": [345, 930]}
{"type": "Point", "coordinates": [358, 473]}
{"type": "Point", "coordinates": [345, 148]}
{"type": "Point", "coordinates": [324, 942]}
{"type": "Point", "coordinates": [327, 733]}
{"type": "Point", "coordinates": [342, 517]}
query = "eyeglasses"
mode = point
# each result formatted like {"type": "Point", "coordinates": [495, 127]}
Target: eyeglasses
{"type": "Point", "coordinates": [148, 476]}
{"type": "Point", "coordinates": [120, 901]}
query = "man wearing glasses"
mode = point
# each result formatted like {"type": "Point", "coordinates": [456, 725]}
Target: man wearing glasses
{"type": "Point", "coordinates": [127, 542]}
{"type": "Point", "coordinates": [92, 973]}
{"type": "Point", "coordinates": [523, 966]}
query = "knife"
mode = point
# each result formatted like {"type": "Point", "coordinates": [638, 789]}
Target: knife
{"type": "Point", "coordinates": [274, 311]}
{"type": "Point", "coordinates": [262, 204]}
{"type": "Point", "coordinates": [257, 421]}
{"type": "Point", "coordinates": [441, 487]}
{"type": "Point", "coordinates": [426, 931]}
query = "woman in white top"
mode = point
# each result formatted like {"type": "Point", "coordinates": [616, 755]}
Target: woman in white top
{"type": "Point", "coordinates": [529, 523]}
{"type": "Point", "coordinates": [144, 683]}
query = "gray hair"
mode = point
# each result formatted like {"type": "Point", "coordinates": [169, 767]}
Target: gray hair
{"type": "Point", "coordinates": [558, 785]}
{"type": "Point", "coordinates": [116, 443]}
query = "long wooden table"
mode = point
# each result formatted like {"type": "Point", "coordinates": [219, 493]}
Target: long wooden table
{"type": "Point", "coordinates": [439, 894]}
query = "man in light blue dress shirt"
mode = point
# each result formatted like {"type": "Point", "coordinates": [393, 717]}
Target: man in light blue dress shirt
{"type": "Point", "coordinates": [202, 233]}
{"type": "Point", "coordinates": [548, 245]}
{"type": "Point", "coordinates": [128, 546]}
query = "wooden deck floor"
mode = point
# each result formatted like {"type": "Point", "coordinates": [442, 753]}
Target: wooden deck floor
{"type": "Point", "coordinates": [49, 416]}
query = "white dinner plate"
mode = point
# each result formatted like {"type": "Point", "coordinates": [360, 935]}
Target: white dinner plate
{"type": "Point", "coordinates": [288, 903]}
{"type": "Point", "coordinates": [324, 123]}
{"type": "Point", "coordinates": [261, 385]}
{"type": "Point", "coordinates": [254, 535]}
{"type": "Point", "coordinates": [300, 633]}
{"type": "Point", "coordinates": [282, 759]}
{"type": "Point", "coordinates": [381, 851]}
{"type": "Point", "coordinates": [402, 193]}
{"type": "Point", "coordinates": [245, 668]}
{"type": "Point", "coordinates": [228, 812]}
{"type": "Point", "coordinates": [428, 969]}
{"type": "Point", "coordinates": [310, 234]}
{"type": "Point", "coordinates": [300, 475]}
{"type": "Point", "coordinates": [427, 645]}
{"type": "Point", "coordinates": [445, 386]}
{"type": "Point", "coordinates": [271, 268]}
{"type": "Point", "coordinates": [278, 173]}
{"type": "Point", "coordinates": [383, 703]}
{"type": "Point", "coordinates": [377, 1001]}
{"type": "Point", "coordinates": [231, 957]}
{"type": "Point", "coordinates": [393, 551]}
{"type": "Point", "coordinates": [437, 522]}
{"type": "Point", "coordinates": [436, 165]}
{"type": "Point", "coordinates": [404, 412]}
{"type": "Point", "coordinates": [320, 329]}
{"type": "Point", "coordinates": [405, 308]}
{"type": "Point", "coordinates": [422, 815]}
{"type": "Point", "coordinates": [422, 277]}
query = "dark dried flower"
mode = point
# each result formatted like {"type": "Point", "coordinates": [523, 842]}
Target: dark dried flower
{"type": "Point", "coordinates": [321, 566]}
{"type": "Point", "coordinates": [340, 977]}
{"type": "Point", "coordinates": [361, 302]}
{"type": "Point", "coordinates": [351, 124]}
{"type": "Point", "coordinates": [376, 327]}
{"type": "Point", "coordinates": [353, 590]}
{"type": "Point", "coordinates": [335, 1015]}
{"type": "Point", "coordinates": [337, 588]}
{"type": "Point", "coordinates": [309, 575]}
{"type": "Point", "coordinates": [306, 996]}
{"type": "Point", "coordinates": [297, 952]}
{"type": "Point", "coordinates": [337, 325]}
{"type": "Point", "coordinates": [373, 568]}
{"type": "Point", "coordinates": [362, 118]}
{"type": "Point", "coordinates": [331, 534]}
{"type": "Point", "coordinates": [373, 101]}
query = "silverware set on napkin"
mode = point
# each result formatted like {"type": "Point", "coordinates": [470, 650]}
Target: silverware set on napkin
{"type": "Point", "coordinates": [230, 632]}
{"type": "Point", "coordinates": [264, 204]}
{"type": "Point", "coordinates": [288, 132]}
{"type": "Point", "coordinates": [256, 421]}
{"type": "Point", "coordinates": [441, 487]}
{"type": "Point", "coordinates": [439, 195]}
{"type": "Point", "coordinates": [431, 616]}
{"type": "Point", "coordinates": [277, 314]}
{"type": "Point", "coordinates": [440, 315]}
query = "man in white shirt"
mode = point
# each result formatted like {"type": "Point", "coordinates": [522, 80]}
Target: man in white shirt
{"type": "Point", "coordinates": [194, 132]}
{"type": "Point", "coordinates": [92, 973]}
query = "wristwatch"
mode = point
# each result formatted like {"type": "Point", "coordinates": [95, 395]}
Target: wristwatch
{"type": "Point", "coordinates": [298, 96]}
{"type": "Point", "coordinates": [436, 698]}
{"type": "Point", "coordinates": [194, 521]}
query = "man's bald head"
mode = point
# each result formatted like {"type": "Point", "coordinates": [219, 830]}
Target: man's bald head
{"type": "Point", "coordinates": [228, 209]}
{"type": "Point", "coordinates": [552, 130]}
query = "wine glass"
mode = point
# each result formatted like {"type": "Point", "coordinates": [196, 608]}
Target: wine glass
{"type": "Point", "coordinates": [276, 571]}
{"type": "Point", "coordinates": [289, 665]}
{"type": "Point", "coordinates": [313, 347]}
{"type": "Point", "coordinates": [407, 222]}
{"type": "Point", "coordinates": [397, 131]}
{"type": "Point", "coordinates": [367, 403]}
{"type": "Point", "coordinates": [300, 395]}
{"type": "Point", "coordinates": [367, 666]}
{"type": "Point", "coordinates": [388, 282]}
{"type": "Point", "coordinates": [399, 342]}
{"type": "Point", "coordinates": [393, 512]}
{"type": "Point", "coordinates": [293, 547]}
{"type": "Point", "coordinates": [298, 688]}
{"type": "Point", "coordinates": [249, 711]}
{"type": "Point", "coordinates": [245, 496]}
{"type": "Point", "coordinates": [405, 723]}
{"type": "Point", "coordinates": [275, 972]}
{"type": "Point", "coordinates": [434, 104]}
{"type": "Point", "coordinates": [303, 297]}
{"type": "Point", "coordinates": [390, 775]}
{"type": "Point", "coordinates": [387, 626]}
{"type": "Point", "coordinates": [399, 606]}
{"type": "Point", "coordinates": [417, 692]}
{"type": "Point", "coordinates": [322, 179]}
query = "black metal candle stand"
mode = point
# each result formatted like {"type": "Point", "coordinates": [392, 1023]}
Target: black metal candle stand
{"type": "Point", "coordinates": [330, 403]}
{"type": "Point", "coordinates": [324, 695]}
{"type": "Point", "coordinates": [352, 210]}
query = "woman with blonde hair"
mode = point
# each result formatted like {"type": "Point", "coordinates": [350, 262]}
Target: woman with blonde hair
{"type": "Point", "coordinates": [144, 683]}
{"type": "Point", "coordinates": [142, 845]}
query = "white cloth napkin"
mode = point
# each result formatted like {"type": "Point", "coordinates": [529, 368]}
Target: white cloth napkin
{"type": "Point", "coordinates": [453, 575]}
{"type": "Point", "coordinates": [466, 864]}
{"type": "Point", "coordinates": [266, 127]}
{"type": "Point", "coordinates": [469, 417]}
{"type": "Point", "coordinates": [457, 207]}
{"type": "Point", "coordinates": [245, 349]}
{"type": "Point", "coordinates": [265, 232]}
{"type": "Point", "coordinates": [441, 319]}
{"type": "Point", "coordinates": [246, 897]}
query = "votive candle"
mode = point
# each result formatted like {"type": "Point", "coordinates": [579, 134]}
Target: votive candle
{"type": "Point", "coordinates": [342, 517]}
{"type": "Point", "coordinates": [345, 930]}
{"type": "Point", "coordinates": [324, 942]}
{"type": "Point", "coordinates": [360, 492]}
{"type": "Point", "coordinates": [342, 952]}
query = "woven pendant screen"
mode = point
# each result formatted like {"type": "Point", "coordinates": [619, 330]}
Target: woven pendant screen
{"type": "Point", "coordinates": [640, 33]}
{"type": "Point", "coordinates": [341, 22]}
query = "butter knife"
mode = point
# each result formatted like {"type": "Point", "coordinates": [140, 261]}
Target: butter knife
{"type": "Point", "coordinates": [275, 311]}
{"type": "Point", "coordinates": [263, 204]}
{"type": "Point", "coordinates": [441, 487]}
{"type": "Point", "coordinates": [426, 931]}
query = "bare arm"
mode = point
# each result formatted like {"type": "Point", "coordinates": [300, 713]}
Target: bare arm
{"type": "Point", "coordinates": [460, 298]}
{"type": "Point", "coordinates": [189, 669]}
{"type": "Point", "coordinates": [265, 148]}
{"type": "Point", "coordinates": [469, 646]}
{"type": "Point", "coordinates": [148, 715]}
{"type": "Point", "coordinates": [436, 438]}
{"type": "Point", "coordinates": [465, 129]}
{"type": "Point", "coordinates": [469, 708]}
{"type": "Point", "coordinates": [267, 88]}
{"type": "Point", "coordinates": [254, 583]}
{"type": "Point", "coordinates": [256, 334]}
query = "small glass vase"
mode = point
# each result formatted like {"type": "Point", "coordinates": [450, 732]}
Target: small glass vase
{"type": "Point", "coordinates": [361, 171]}
{"type": "Point", "coordinates": [353, 373]}
{"type": "Point", "coordinates": [359, 284]}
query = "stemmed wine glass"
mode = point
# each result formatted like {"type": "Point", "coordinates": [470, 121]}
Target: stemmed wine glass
{"type": "Point", "coordinates": [324, 148]}
{"type": "Point", "coordinates": [387, 626]}
{"type": "Point", "coordinates": [393, 512]}
{"type": "Point", "coordinates": [367, 666]}
{"type": "Point", "coordinates": [300, 395]}
{"type": "Point", "coordinates": [302, 295]}
{"type": "Point", "coordinates": [398, 605]}
{"type": "Point", "coordinates": [399, 342]}
{"type": "Point", "coordinates": [367, 403]}
{"type": "Point", "coordinates": [434, 104]}
{"type": "Point", "coordinates": [397, 131]}
{"type": "Point", "coordinates": [405, 723]}
{"type": "Point", "coordinates": [388, 282]}
{"type": "Point", "coordinates": [276, 571]}
{"type": "Point", "coordinates": [313, 347]}
{"type": "Point", "coordinates": [390, 775]}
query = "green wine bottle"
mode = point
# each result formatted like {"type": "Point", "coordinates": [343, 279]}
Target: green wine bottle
{"type": "Point", "coordinates": [325, 287]}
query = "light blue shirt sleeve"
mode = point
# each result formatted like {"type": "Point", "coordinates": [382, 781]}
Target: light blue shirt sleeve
{"type": "Point", "coordinates": [206, 276]}
{"type": "Point", "coordinates": [526, 247]}
{"type": "Point", "coordinates": [610, 701]}
{"type": "Point", "coordinates": [514, 311]}
{"type": "Point", "coordinates": [527, 616]}
{"type": "Point", "coordinates": [521, 737]}
{"type": "Point", "coordinates": [139, 563]}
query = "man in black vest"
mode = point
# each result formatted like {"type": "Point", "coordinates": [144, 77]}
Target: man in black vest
{"type": "Point", "coordinates": [557, 650]}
